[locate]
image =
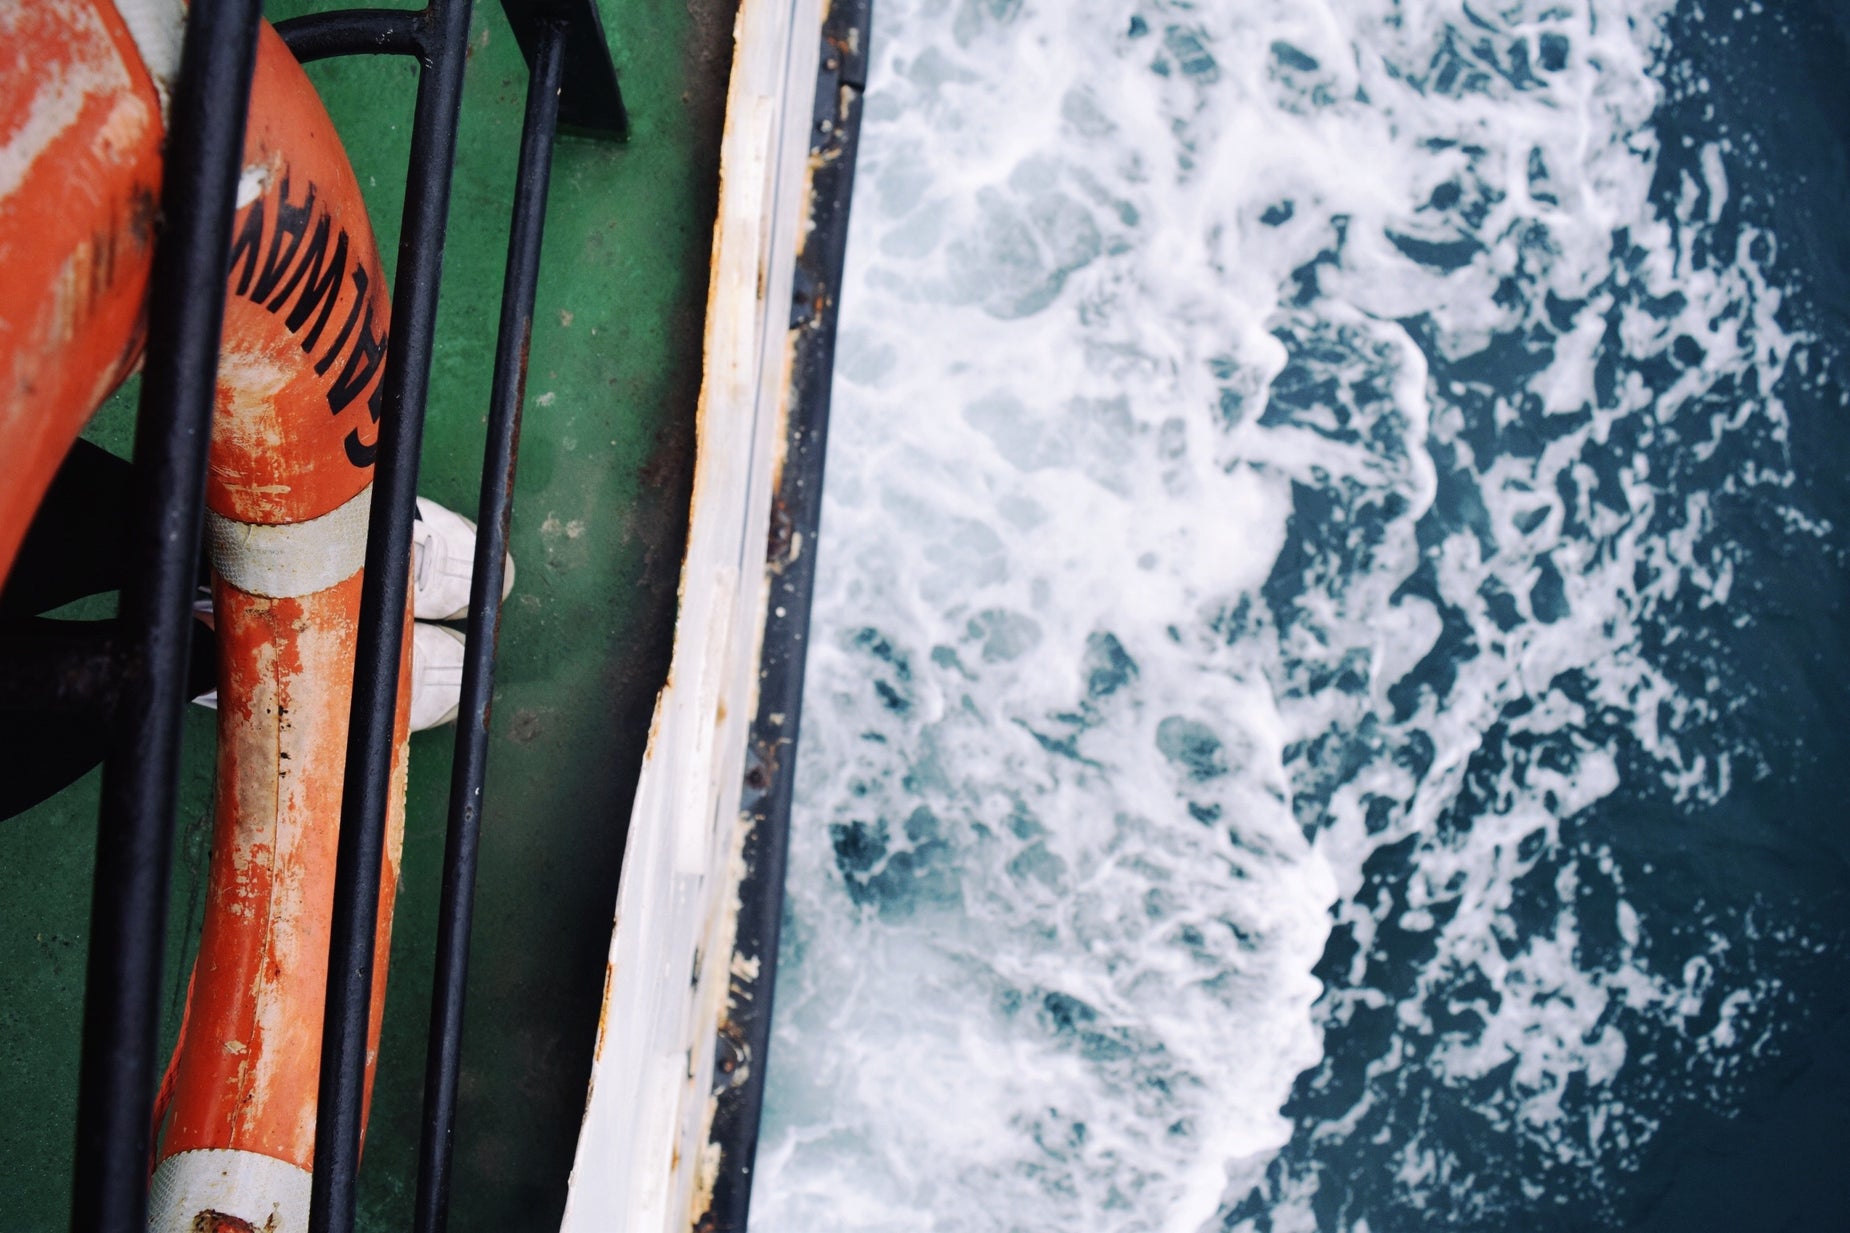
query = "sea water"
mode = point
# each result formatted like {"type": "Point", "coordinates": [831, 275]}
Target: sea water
{"type": "Point", "coordinates": [1328, 696]}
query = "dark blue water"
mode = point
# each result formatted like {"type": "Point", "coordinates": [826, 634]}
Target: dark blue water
{"type": "Point", "coordinates": [1330, 685]}
{"type": "Point", "coordinates": [1755, 885]}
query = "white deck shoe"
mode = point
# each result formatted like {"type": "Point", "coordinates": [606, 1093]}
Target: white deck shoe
{"type": "Point", "coordinates": [443, 563]}
{"type": "Point", "coordinates": [436, 676]}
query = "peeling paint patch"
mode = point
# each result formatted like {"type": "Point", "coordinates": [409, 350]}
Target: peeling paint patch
{"type": "Point", "coordinates": [61, 91]}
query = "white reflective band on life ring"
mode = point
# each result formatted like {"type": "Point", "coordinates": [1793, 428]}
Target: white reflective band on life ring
{"type": "Point", "coordinates": [262, 1192]}
{"type": "Point", "coordinates": [294, 558]}
{"type": "Point", "coordinates": [158, 28]}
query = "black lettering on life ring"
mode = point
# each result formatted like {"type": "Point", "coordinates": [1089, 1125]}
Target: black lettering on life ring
{"type": "Point", "coordinates": [319, 288]}
{"type": "Point", "coordinates": [299, 274]}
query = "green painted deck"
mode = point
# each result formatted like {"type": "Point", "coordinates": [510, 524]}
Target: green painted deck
{"type": "Point", "coordinates": [599, 517]}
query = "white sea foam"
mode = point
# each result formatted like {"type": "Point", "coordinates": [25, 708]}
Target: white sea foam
{"type": "Point", "coordinates": [1241, 426]}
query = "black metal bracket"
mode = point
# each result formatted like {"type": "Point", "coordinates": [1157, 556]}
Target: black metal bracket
{"type": "Point", "coordinates": [589, 96]}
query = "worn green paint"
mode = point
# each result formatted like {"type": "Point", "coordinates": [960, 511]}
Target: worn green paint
{"type": "Point", "coordinates": [599, 517]}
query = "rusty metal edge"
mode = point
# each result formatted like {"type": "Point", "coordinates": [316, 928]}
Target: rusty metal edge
{"type": "Point", "coordinates": [742, 1044]}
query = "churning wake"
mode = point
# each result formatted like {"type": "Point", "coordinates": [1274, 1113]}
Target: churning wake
{"type": "Point", "coordinates": [1277, 503]}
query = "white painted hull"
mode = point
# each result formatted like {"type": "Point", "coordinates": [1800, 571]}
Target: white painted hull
{"type": "Point", "coordinates": [644, 1163]}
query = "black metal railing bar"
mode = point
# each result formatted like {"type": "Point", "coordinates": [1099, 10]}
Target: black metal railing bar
{"type": "Point", "coordinates": [356, 32]}
{"type": "Point", "coordinates": [384, 591]}
{"type": "Point", "coordinates": [443, 1057]}
{"type": "Point", "coordinates": [134, 852]}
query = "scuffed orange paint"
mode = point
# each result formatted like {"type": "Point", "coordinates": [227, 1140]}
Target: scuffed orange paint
{"type": "Point", "coordinates": [296, 418]}
{"type": "Point", "coordinates": [246, 1075]}
{"type": "Point", "coordinates": [80, 172]}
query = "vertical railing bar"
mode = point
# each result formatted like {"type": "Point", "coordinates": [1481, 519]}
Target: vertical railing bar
{"type": "Point", "coordinates": [443, 1058]}
{"type": "Point", "coordinates": [128, 921]}
{"type": "Point", "coordinates": [383, 595]}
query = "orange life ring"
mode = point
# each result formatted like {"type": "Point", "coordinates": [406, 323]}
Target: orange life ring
{"type": "Point", "coordinates": [287, 499]}
{"type": "Point", "coordinates": [288, 494]}
{"type": "Point", "coordinates": [80, 171]}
